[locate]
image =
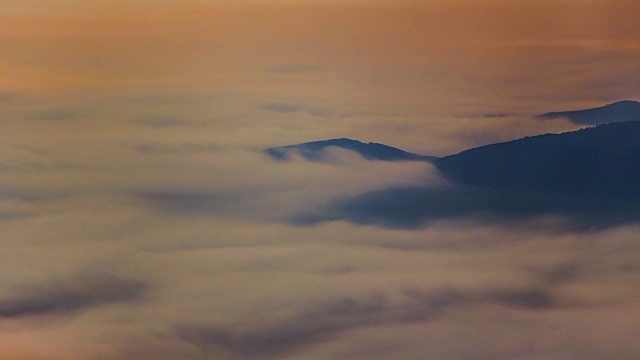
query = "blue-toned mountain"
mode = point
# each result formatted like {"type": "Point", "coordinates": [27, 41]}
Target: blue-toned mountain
{"type": "Point", "coordinates": [602, 160]}
{"type": "Point", "coordinates": [590, 177]}
{"type": "Point", "coordinates": [314, 151]}
{"type": "Point", "coordinates": [626, 110]}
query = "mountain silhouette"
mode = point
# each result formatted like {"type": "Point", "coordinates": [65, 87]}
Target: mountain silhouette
{"type": "Point", "coordinates": [626, 110]}
{"type": "Point", "coordinates": [314, 151]}
{"type": "Point", "coordinates": [602, 160]}
{"type": "Point", "coordinates": [591, 177]}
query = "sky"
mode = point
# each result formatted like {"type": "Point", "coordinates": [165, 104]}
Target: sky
{"type": "Point", "coordinates": [139, 218]}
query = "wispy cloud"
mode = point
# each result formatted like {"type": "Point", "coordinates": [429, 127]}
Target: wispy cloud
{"type": "Point", "coordinates": [185, 148]}
{"type": "Point", "coordinates": [279, 107]}
{"type": "Point", "coordinates": [71, 295]}
{"type": "Point", "coordinates": [416, 207]}
{"type": "Point", "coordinates": [162, 122]}
{"type": "Point", "coordinates": [288, 108]}
{"type": "Point", "coordinates": [328, 319]}
{"type": "Point", "coordinates": [495, 115]}
{"type": "Point", "coordinates": [188, 202]}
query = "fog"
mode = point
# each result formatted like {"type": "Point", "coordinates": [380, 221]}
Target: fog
{"type": "Point", "coordinates": [141, 219]}
{"type": "Point", "coordinates": [187, 252]}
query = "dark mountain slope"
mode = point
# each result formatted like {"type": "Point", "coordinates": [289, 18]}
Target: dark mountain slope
{"type": "Point", "coordinates": [603, 160]}
{"type": "Point", "coordinates": [313, 151]}
{"type": "Point", "coordinates": [589, 177]}
{"type": "Point", "coordinates": [626, 110]}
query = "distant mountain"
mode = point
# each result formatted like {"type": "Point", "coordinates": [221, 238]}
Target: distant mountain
{"type": "Point", "coordinates": [626, 110]}
{"type": "Point", "coordinates": [602, 160]}
{"type": "Point", "coordinates": [313, 151]}
{"type": "Point", "coordinates": [590, 177]}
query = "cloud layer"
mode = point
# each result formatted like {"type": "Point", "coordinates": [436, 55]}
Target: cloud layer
{"type": "Point", "coordinates": [141, 219]}
{"type": "Point", "coordinates": [71, 295]}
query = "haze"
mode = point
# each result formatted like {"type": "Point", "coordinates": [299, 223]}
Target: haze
{"type": "Point", "coordinates": [140, 218]}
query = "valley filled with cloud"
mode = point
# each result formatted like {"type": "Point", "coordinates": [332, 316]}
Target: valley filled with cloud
{"type": "Point", "coordinates": [141, 216]}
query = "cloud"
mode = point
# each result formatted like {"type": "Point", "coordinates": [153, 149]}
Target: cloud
{"type": "Point", "coordinates": [286, 108]}
{"type": "Point", "coordinates": [46, 166]}
{"type": "Point", "coordinates": [187, 202]}
{"type": "Point", "coordinates": [71, 295]}
{"type": "Point", "coordinates": [37, 150]}
{"type": "Point", "coordinates": [326, 320]}
{"type": "Point", "coordinates": [185, 148]}
{"type": "Point", "coordinates": [7, 193]}
{"type": "Point", "coordinates": [314, 325]}
{"type": "Point", "coordinates": [9, 97]}
{"type": "Point", "coordinates": [417, 206]}
{"type": "Point", "coordinates": [323, 113]}
{"type": "Point", "coordinates": [585, 176]}
{"type": "Point", "coordinates": [279, 107]}
{"type": "Point", "coordinates": [162, 123]}
{"type": "Point", "coordinates": [155, 198]}
{"type": "Point", "coordinates": [495, 115]}
{"type": "Point", "coordinates": [11, 215]}
{"type": "Point", "coordinates": [252, 184]}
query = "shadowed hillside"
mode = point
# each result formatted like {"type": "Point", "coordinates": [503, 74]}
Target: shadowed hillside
{"type": "Point", "coordinates": [590, 177]}
{"type": "Point", "coordinates": [620, 111]}
{"type": "Point", "coordinates": [603, 160]}
{"type": "Point", "coordinates": [313, 151]}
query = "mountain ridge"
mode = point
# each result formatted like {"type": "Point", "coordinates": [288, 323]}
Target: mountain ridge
{"type": "Point", "coordinates": [597, 160]}
{"type": "Point", "coordinates": [589, 177]}
{"type": "Point", "coordinates": [314, 151]}
{"type": "Point", "coordinates": [620, 111]}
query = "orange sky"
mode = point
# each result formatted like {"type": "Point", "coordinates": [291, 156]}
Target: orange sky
{"type": "Point", "coordinates": [465, 21]}
{"type": "Point", "coordinates": [414, 63]}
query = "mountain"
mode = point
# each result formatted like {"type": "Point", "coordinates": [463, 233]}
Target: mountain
{"type": "Point", "coordinates": [626, 110]}
{"type": "Point", "coordinates": [590, 177]}
{"type": "Point", "coordinates": [602, 160]}
{"type": "Point", "coordinates": [314, 151]}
